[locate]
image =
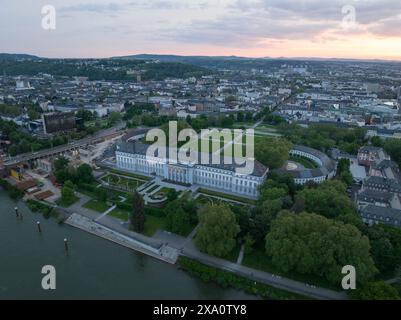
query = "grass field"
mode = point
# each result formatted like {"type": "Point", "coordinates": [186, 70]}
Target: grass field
{"type": "Point", "coordinates": [119, 214]}
{"type": "Point", "coordinates": [96, 206]}
{"type": "Point", "coordinates": [130, 175]}
{"type": "Point", "coordinates": [152, 224]}
{"type": "Point", "coordinates": [308, 164]}
{"type": "Point", "coordinates": [66, 204]}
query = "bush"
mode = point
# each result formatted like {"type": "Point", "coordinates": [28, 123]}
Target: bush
{"type": "Point", "coordinates": [37, 206]}
{"type": "Point", "coordinates": [125, 206]}
{"type": "Point", "coordinates": [12, 191]}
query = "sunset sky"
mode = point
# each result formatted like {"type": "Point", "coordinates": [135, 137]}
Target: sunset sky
{"type": "Point", "coordinates": [253, 28]}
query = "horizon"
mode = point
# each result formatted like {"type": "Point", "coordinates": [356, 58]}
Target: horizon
{"type": "Point", "coordinates": [83, 29]}
{"type": "Point", "coordinates": [311, 58]}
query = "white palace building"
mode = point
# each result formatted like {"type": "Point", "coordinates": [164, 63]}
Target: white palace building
{"type": "Point", "coordinates": [132, 156]}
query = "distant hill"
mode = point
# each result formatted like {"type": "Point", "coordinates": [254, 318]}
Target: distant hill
{"type": "Point", "coordinates": [17, 56]}
{"type": "Point", "coordinates": [178, 58]}
{"type": "Point", "coordinates": [203, 59]}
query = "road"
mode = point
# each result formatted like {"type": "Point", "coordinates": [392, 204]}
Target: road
{"type": "Point", "coordinates": [64, 148]}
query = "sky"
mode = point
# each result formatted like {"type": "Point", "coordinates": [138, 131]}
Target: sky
{"type": "Point", "coordinates": [364, 29]}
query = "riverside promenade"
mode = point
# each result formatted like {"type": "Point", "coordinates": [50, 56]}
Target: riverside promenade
{"type": "Point", "coordinates": [167, 247]}
{"type": "Point", "coordinates": [88, 225]}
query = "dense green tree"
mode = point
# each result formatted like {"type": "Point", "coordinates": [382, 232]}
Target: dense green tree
{"type": "Point", "coordinates": [344, 173]}
{"type": "Point", "coordinates": [312, 244]}
{"type": "Point", "coordinates": [61, 163]}
{"type": "Point", "coordinates": [324, 137]}
{"type": "Point", "coordinates": [328, 199]}
{"type": "Point", "coordinates": [393, 148]}
{"type": "Point", "coordinates": [102, 194]}
{"type": "Point", "coordinates": [240, 117]}
{"type": "Point", "coordinates": [172, 195]}
{"type": "Point", "coordinates": [84, 174]}
{"type": "Point", "coordinates": [114, 117]}
{"type": "Point", "coordinates": [248, 244]}
{"type": "Point", "coordinates": [273, 153]}
{"type": "Point", "coordinates": [67, 192]}
{"type": "Point", "coordinates": [178, 220]}
{"type": "Point", "coordinates": [386, 247]}
{"type": "Point", "coordinates": [137, 216]}
{"type": "Point", "coordinates": [375, 291]}
{"type": "Point", "coordinates": [218, 230]}
{"type": "Point", "coordinates": [377, 142]}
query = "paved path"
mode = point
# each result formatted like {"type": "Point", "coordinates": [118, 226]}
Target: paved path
{"type": "Point", "coordinates": [241, 255]}
{"type": "Point", "coordinates": [106, 213]}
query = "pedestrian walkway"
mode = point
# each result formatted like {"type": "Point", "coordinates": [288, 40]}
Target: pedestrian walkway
{"type": "Point", "coordinates": [106, 213]}
{"type": "Point", "coordinates": [241, 255]}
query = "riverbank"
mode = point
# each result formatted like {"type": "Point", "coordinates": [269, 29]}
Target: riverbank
{"type": "Point", "coordinates": [93, 268]}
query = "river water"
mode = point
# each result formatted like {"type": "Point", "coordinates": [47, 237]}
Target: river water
{"type": "Point", "coordinates": [94, 268]}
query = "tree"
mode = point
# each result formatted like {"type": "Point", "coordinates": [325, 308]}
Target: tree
{"type": "Point", "coordinates": [84, 174]}
{"type": "Point", "coordinates": [248, 244]}
{"type": "Point", "coordinates": [393, 148]}
{"type": "Point", "coordinates": [329, 199]}
{"type": "Point", "coordinates": [273, 153]}
{"type": "Point", "coordinates": [386, 247]}
{"type": "Point", "coordinates": [61, 163]}
{"type": "Point", "coordinates": [344, 173]}
{"type": "Point", "coordinates": [172, 195]}
{"type": "Point", "coordinates": [137, 217]}
{"type": "Point", "coordinates": [114, 118]}
{"type": "Point", "coordinates": [375, 291]}
{"type": "Point", "coordinates": [218, 230]}
{"type": "Point", "coordinates": [377, 142]}
{"type": "Point", "coordinates": [67, 192]}
{"type": "Point", "coordinates": [178, 220]}
{"type": "Point", "coordinates": [312, 244]}
{"type": "Point", "coordinates": [101, 194]}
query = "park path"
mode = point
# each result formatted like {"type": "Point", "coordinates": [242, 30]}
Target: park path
{"type": "Point", "coordinates": [106, 213]}
{"type": "Point", "coordinates": [187, 248]}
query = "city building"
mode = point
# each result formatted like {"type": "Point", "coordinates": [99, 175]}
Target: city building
{"type": "Point", "coordinates": [325, 166]}
{"type": "Point", "coordinates": [59, 122]}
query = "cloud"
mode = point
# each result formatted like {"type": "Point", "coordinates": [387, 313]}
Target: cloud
{"type": "Point", "coordinates": [246, 22]}
{"type": "Point", "coordinates": [139, 4]}
{"type": "Point", "coordinates": [92, 7]}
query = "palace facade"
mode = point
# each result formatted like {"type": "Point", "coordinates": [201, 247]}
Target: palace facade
{"type": "Point", "coordinates": [132, 156]}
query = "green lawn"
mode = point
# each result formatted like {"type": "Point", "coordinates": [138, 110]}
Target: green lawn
{"type": "Point", "coordinates": [259, 260]}
{"type": "Point", "coordinates": [152, 224]}
{"type": "Point", "coordinates": [66, 204]}
{"type": "Point", "coordinates": [96, 206]}
{"type": "Point", "coordinates": [130, 175]}
{"type": "Point", "coordinates": [308, 164]}
{"type": "Point", "coordinates": [131, 183]}
{"type": "Point", "coordinates": [119, 214]}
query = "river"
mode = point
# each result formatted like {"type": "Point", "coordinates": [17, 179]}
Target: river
{"type": "Point", "coordinates": [94, 268]}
